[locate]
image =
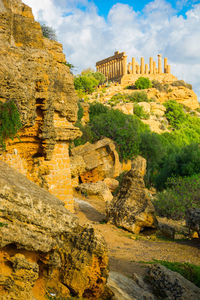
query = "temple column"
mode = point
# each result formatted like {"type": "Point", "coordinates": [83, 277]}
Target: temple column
{"type": "Point", "coordinates": [137, 69]}
{"type": "Point", "coordinates": [129, 68]}
{"type": "Point", "coordinates": [124, 65]}
{"type": "Point", "coordinates": [151, 65]}
{"type": "Point", "coordinates": [165, 65]}
{"type": "Point", "coordinates": [168, 69]}
{"type": "Point", "coordinates": [142, 65]}
{"type": "Point", "coordinates": [133, 65]}
{"type": "Point", "coordinates": [154, 67]}
{"type": "Point", "coordinates": [146, 69]}
{"type": "Point", "coordinates": [159, 64]}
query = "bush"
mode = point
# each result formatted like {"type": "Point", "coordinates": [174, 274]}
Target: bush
{"type": "Point", "coordinates": [140, 113]}
{"type": "Point", "coordinates": [48, 32]}
{"type": "Point", "coordinates": [174, 113]}
{"type": "Point", "coordinates": [88, 81]}
{"type": "Point", "coordinates": [124, 130]}
{"type": "Point", "coordinates": [9, 122]}
{"type": "Point", "coordinates": [181, 194]}
{"type": "Point", "coordinates": [116, 99]}
{"type": "Point", "coordinates": [159, 86]}
{"type": "Point", "coordinates": [182, 83]}
{"type": "Point", "coordinates": [143, 83]}
{"type": "Point", "coordinates": [138, 97]}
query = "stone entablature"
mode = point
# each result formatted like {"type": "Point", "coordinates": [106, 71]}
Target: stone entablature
{"type": "Point", "coordinates": [115, 67]}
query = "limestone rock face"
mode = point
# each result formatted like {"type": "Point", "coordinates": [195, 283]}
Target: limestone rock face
{"type": "Point", "coordinates": [131, 208]}
{"type": "Point", "coordinates": [34, 74]}
{"type": "Point", "coordinates": [193, 220]}
{"type": "Point", "coordinates": [42, 246]}
{"type": "Point", "coordinates": [171, 285]}
{"type": "Point", "coordinates": [100, 159]}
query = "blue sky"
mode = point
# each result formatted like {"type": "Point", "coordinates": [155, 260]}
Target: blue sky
{"type": "Point", "coordinates": [91, 30]}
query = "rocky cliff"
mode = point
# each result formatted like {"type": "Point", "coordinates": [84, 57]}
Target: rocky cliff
{"type": "Point", "coordinates": [34, 74]}
{"type": "Point", "coordinates": [43, 249]}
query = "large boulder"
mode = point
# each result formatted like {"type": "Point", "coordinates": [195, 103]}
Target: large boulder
{"type": "Point", "coordinates": [131, 208]}
{"type": "Point", "coordinates": [43, 248]}
{"type": "Point", "coordinates": [99, 160]}
{"type": "Point", "coordinates": [96, 188]}
{"type": "Point", "coordinates": [193, 220]}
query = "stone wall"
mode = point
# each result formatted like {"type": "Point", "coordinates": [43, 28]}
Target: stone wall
{"type": "Point", "coordinates": [34, 74]}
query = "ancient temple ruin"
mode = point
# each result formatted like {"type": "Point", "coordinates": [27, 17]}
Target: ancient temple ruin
{"type": "Point", "coordinates": [115, 68]}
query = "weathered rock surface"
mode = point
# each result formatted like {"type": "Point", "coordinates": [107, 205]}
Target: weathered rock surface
{"type": "Point", "coordinates": [167, 284]}
{"type": "Point", "coordinates": [42, 246]}
{"type": "Point", "coordinates": [131, 208]}
{"type": "Point", "coordinates": [193, 220]}
{"type": "Point", "coordinates": [96, 188]}
{"type": "Point", "coordinates": [99, 160]}
{"type": "Point", "coordinates": [111, 183]}
{"type": "Point", "coordinates": [34, 74]}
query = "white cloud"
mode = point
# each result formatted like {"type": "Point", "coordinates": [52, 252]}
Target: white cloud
{"type": "Point", "coordinates": [87, 37]}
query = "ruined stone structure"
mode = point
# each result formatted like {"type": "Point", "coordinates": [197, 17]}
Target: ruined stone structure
{"type": "Point", "coordinates": [115, 68]}
{"type": "Point", "coordinates": [34, 74]}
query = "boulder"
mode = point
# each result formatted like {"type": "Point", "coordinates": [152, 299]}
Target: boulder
{"type": "Point", "coordinates": [167, 284]}
{"type": "Point", "coordinates": [193, 220]}
{"type": "Point", "coordinates": [131, 208]}
{"type": "Point", "coordinates": [96, 188]}
{"type": "Point", "coordinates": [43, 248]}
{"type": "Point", "coordinates": [126, 108]}
{"type": "Point", "coordinates": [111, 183]}
{"type": "Point", "coordinates": [101, 160]}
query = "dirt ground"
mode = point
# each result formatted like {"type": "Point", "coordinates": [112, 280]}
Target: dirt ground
{"type": "Point", "coordinates": [127, 250]}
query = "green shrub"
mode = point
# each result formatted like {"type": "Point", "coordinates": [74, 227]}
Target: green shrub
{"type": "Point", "coordinates": [48, 32]}
{"type": "Point", "coordinates": [140, 113]}
{"type": "Point", "coordinates": [9, 121]}
{"type": "Point", "coordinates": [117, 98]}
{"type": "Point", "coordinates": [80, 112]}
{"type": "Point", "coordinates": [85, 83]}
{"type": "Point", "coordinates": [174, 113]}
{"type": "Point", "coordinates": [159, 86]}
{"type": "Point", "coordinates": [182, 83]}
{"type": "Point", "coordinates": [143, 83]}
{"type": "Point", "coordinates": [124, 130]}
{"type": "Point", "coordinates": [138, 97]}
{"type": "Point", "coordinates": [181, 193]}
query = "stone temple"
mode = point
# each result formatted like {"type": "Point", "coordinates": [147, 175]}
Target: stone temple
{"type": "Point", "coordinates": [116, 68]}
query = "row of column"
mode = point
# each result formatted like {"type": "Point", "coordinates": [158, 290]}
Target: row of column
{"type": "Point", "coordinates": [135, 68]}
{"type": "Point", "coordinates": [114, 68]}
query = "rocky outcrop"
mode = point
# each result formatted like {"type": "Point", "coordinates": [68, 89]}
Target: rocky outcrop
{"type": "Point", "coordinates": [193, 220]}
{"type": "Point", "coordinates": [94, 162]}
{"type": "Point", "coordinates": [96, 188]}
{"type": "Point", "coordinates": [131, 208]}
{"type": "Point", "coordinates": [171, 285]}
{"type": "Point", "coordinates": [34, 74]}
{"type": "Point", "coordinates": [43, 249]}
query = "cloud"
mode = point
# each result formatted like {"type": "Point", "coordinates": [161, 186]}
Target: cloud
{"type": "Point", "coordinates": [88, 37]}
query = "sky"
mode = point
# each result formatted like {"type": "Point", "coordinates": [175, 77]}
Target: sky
{"type": "Point", "coordinates": [91, 30]}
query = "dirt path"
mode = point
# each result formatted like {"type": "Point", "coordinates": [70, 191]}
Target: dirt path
{"type": "Point", "coordinates": [125, 249]}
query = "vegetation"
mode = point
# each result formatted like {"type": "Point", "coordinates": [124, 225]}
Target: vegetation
{"type": "Point", "coordinates": [88, 81]}
{"type": "Point", "coordinates": [182, 83]}
{"type": "Point", "coordinates": [138, 97]}
{"type": "Point", "coordinates": [159, 86]}
{"type": "Point", "coordinates": [9, 122]}
{"type": "Point", "coordinates": [143, 83]}
{"type": "Point", "coordinates": [140, 113]}
{"type": "Point", "coordinates": [174, 113]}
{"type": "Point", "coordinates": [48, 32]}
{"type": "Point", "coordinates": [181, 193]}
{"type": "Point", "coordinates": [134, 97]}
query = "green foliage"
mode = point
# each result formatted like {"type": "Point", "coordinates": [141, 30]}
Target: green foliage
{"type": "Point", "coordinates": [116, 99]}
{"type": "Point", "coordinates": [48, 32]}
{"type": "Point", "coordinates": [140, 113]}
{"type": "Point", "coordinates": [143, 83]}
{"type": "Point", "coordinates": [80, 112]}
{"type": "Point", "coordinates": [159, 86]}
{"type": "Point", "coordinates": [174, 113]}
{"type": "Point", "coordinates": [124, 130]}
{"type": "Point", "coordinates": [181, 193]}
{"type": "Point", "coordinates": [190, 271]}
{"type": "Point", "coordinates": [138, 97]}
{"type": "Point", "coordinates": [9, 121]}
{"type": "Point", "coordinates": [182, 83]}
{"type": "Point", "coordinates": [88, 81]}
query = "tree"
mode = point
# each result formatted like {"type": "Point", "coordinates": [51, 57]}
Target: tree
{"type": "Point", "coordinates": [48, 32]}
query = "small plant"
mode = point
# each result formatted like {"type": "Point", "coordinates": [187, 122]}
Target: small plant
{"type": "Point", "coordinates": [116, 99]}
{"type": "Point", "coordinates": [140, 113]}
{"type": "Point", "coordinates": [182, 83]}
{"type": "Point", "coordinates": [138, 97]}
{"type": "Point", "coordinates": [9, 122]}
{"type": "Point", "coordinates": [48, 32]}
{"type": "Point", "coordinates": [159, 86]}
{"type": "Point", "coordinates": [143, 83]}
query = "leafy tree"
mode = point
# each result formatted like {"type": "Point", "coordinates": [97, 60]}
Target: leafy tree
{"type": "Point", "coordinates": [48, 32]}
{"type": "Point", "coordinates": [143, 83]}
{"type": "Point", "coordinates": [85, 83]}
{"type": "Point", "coordinates": [174, 113]}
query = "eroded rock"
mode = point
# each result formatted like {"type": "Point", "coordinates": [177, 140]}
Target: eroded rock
{"type": "Point", "coordinates": [131, 208]}
{"type": "Point", "coordinates": [42, 245]}
{"type": "Point", "coordinates": [97, 188]}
